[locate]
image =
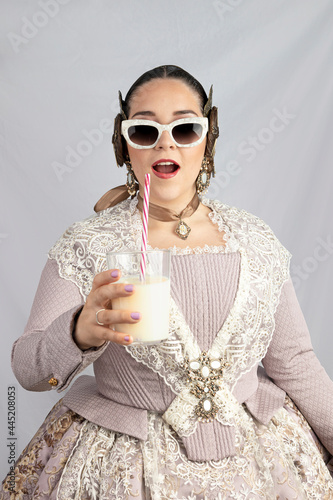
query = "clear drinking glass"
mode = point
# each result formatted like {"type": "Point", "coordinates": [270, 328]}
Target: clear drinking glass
{"type": "Point", "coordinates": [151, 297]}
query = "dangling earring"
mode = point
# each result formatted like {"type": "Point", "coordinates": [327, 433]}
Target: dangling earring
{"type": "Point", "coordinates": [203, 178]}
{"type": "Point", "coordinates": [131, 182]}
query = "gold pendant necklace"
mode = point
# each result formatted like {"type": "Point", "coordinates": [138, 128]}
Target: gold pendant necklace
{"type": "Point", "coordinates": [166, 215]}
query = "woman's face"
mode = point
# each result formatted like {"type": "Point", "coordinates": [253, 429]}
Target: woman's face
{"type": "Point", "coordinates": [164, 101]}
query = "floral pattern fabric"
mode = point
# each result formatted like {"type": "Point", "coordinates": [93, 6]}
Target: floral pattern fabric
{"type": "Point", "coordinates": [70, 458]}
{"type": "Point", "coordinates": [39, 468]}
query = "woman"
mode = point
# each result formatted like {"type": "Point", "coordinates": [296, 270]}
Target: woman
{"type": "Point", "coordinates": [195, 417]}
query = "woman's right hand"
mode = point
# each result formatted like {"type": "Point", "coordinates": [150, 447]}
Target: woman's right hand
{"type": "Point", "coordinates": [88, 333]}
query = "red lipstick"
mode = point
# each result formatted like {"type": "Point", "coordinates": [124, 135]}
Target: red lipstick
{"type": "Point", "coordinates": [165, 168]}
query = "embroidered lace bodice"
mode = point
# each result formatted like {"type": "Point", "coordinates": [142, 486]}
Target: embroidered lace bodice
{"type": "Point", "coordinates": [245, 335]}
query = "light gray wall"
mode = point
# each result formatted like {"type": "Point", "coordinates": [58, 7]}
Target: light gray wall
{"type": "Point", "coordinates": [62, 64]}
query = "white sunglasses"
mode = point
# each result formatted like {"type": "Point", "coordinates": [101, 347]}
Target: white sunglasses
{"type": "Point", "coordinates": [145, 134]}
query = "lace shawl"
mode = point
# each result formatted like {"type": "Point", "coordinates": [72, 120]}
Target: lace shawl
{"type": "Point", "coordinates": [244, 337]}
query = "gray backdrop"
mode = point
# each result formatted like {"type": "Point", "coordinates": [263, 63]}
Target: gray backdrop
{"type": "Point", "coordinates": [62, 64]}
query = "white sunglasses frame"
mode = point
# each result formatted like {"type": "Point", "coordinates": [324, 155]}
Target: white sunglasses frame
{"type": "Point", "coordinates": [126, 124]}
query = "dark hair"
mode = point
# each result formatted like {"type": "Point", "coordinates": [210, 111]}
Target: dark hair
{"type": "Point", "coordinates": [167, 71]}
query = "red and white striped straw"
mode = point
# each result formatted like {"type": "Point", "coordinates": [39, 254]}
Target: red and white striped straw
{"type": "Point", "coordinates": [145, 210]}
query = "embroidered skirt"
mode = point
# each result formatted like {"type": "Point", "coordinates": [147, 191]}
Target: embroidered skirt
{"type": "Point", "coordinates": [71, 458]}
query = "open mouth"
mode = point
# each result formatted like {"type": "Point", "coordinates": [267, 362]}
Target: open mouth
{"type": "Point", "coordinates": [165, 169]}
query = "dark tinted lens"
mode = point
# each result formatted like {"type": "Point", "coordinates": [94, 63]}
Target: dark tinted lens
{"type": "Point", "coordinates": [143, 135]}
{"type": "Point", "coordinates": [187, 133]}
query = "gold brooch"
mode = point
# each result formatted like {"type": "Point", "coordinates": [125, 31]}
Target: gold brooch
{"type": "Point", "coordinates": [202, 374]}
{"type": "Point", "coordinates": [183, 230]}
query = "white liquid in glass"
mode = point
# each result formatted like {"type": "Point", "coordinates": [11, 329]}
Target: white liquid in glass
{"type": "Point", "coordinates": [151, 299]}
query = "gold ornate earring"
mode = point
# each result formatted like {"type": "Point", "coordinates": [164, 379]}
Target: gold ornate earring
{"type": "Point", "coordinates": [131, 181]}
{"type": "Point", "coordinates": [203, 178]}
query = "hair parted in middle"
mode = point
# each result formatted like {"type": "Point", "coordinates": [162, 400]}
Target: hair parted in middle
{"type": "Point", "coordinates": [174, 72]}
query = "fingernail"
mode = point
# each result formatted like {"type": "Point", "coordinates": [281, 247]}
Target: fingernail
{"type": "Point", "coordinates": [115, 274]}
{"type": "Point", "coordinates": [126, 338]}
{"type": "Point", "coordinates": [129, 288]}
{"type": "Point", "coordinates": [135, 315]}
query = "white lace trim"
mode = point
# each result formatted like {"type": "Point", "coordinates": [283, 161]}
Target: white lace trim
{"type": "Point", "coordinates": [245, 335]}
{"type": "Point", "coordinates": [229, 245]}
{"type": "Point", "coordinates": [279, 460]}
{"type": "Point", "coordinates": [81, 251]}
